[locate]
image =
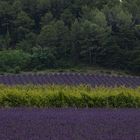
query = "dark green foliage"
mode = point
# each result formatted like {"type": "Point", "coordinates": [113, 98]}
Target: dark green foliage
{"type": "Point", "coordinates": [14, 61]}
{"type": "Point", "coordinates": [43, 58]}
{"type": "Point", "coordinates": [89, 32]}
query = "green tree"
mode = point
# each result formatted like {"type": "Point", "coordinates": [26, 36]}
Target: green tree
{"type": "Point", "coordinates": [55, 36]}
{"type": "Point", "coordinates": [76, 38]}
{"type": "Point", "coordinates": [28, 43]}
{"type": "Point", "coordinates": [67, 17]}
{"type": "Point", "coordinates": [47, 19]}
{"type": "Point", "coordinates": [12, 59]}
{"type": "Point", "coordinates": [95, 34]}
{"type": "Point", "coordinates": [43, 58]}
{"type": "Point", "coordinates": [24, 25]}
{"type": "Point", "coordinates": [7, 16]}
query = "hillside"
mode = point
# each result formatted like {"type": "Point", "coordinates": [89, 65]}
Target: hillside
{"type": "Point", "coordinates": [36, 35]}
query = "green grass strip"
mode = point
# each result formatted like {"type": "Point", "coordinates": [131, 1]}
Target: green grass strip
{"type": "Point", "coordinates": [69, 96]}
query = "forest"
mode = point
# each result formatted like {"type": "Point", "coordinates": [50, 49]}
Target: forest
{"type": "Point", "coordinates": [50, 34]}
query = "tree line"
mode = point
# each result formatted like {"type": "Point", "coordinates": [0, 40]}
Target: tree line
{"type": "Point", "coordinates": [67, 33]}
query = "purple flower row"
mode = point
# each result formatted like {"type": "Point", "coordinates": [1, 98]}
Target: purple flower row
{"type": "Point", "coordinates": [70, 79]}
{"type": "Point", "coordinates": [69, 124]}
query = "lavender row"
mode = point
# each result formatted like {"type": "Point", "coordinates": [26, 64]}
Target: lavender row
{"type": "Point", "coordinates": [70, 79]}
{"type": "Point", "coordinates": [69, 124]}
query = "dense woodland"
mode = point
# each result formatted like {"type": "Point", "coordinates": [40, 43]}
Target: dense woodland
{"type": "Point", "coordinates": [43, 34]}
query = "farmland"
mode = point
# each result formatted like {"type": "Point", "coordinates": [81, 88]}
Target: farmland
{"type": "Point", "coordinates": [69, 107]}
{"type": "Point", "coordinates": [69, 124]}
{"type": "Point", "coordinates": [70, 79]}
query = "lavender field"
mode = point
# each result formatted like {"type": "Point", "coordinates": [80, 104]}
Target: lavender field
{"type": "Point", "coordinates": [69, 124]}
{"type": "Point", "coordinates": [70, 79]}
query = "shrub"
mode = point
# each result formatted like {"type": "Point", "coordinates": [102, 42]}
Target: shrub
{"type": "Point", "coordinates": [42, 58]}
{"type": "Point", "coordinates": [14, 60]}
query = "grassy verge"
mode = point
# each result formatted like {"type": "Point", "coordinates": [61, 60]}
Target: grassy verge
{"type": "Point", "coordinates": [69, 96]}
{"type": "Point", "coordinates": [83, 69]}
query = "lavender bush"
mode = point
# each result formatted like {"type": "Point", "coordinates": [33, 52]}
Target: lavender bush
{"type": "Point", "coordinates": [69, 124]}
